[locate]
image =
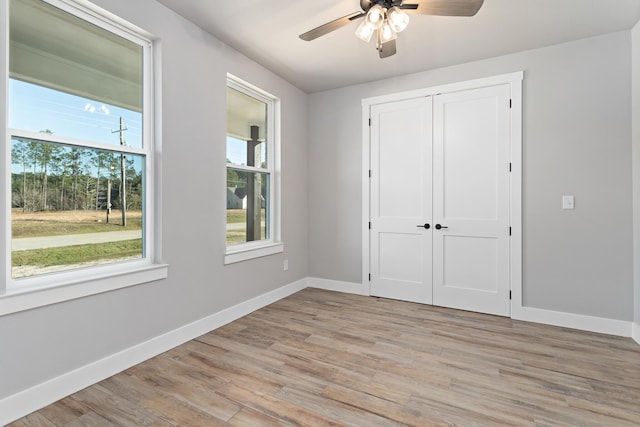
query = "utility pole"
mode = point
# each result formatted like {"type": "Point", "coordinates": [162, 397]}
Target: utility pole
{"type": "Point", "coordinates": [123, 173]}
{"type": "Point", "coordinates": [108, 198]}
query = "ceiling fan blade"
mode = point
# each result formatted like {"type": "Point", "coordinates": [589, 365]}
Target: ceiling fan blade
{"type": "Point", "coordinates": [331, 26]}
{"type": "Point", "coordinates": [387, 49]}
{"type": "Point", "coordinates": [444, 7]}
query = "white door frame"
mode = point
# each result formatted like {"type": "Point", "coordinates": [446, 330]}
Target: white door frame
{"type": "Point", "coordinates": [515, 250]}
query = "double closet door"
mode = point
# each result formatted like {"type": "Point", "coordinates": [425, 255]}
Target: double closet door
{"type": "Point", "coordinates": [439, 194]}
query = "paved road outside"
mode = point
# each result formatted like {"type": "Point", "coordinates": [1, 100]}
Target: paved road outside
{"type": "Point", "coordinates": [30, 243]}
{"type": "Point", "coordinates": [236, 226]}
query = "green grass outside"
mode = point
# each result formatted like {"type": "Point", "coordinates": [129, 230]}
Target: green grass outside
{"type": "Point", "coordinates": [236, 215]}
{"type": "Point", "coordinates": [78, 254]}
{"type": "Point", "coordinates": [39, 228]}
{"type": "Point", "coordinates": [239, 216]}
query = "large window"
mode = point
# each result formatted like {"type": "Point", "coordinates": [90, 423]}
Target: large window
{"type": "Point", "coordinates": [79, 140]}
{"type": "Point", "coordinates": [252, 225]}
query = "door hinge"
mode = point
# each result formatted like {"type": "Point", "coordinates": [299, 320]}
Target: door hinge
{"type": "Point", "coordinates": [509, 294]}
{"type": "Point", "coordinates": [510, 167]}
{"type": "Point", "coordinates": [369, 225]}
{"type": "Point", "coordinates": [369, 121]}
{"type": "Point", "coordinates": [509, 231]}
{"type": "Point", "coordinates": [511, 103]}
{"type": "Point", "coordinates": [369, 276]}
{"type": "Point", "coordinates": [369, 173]}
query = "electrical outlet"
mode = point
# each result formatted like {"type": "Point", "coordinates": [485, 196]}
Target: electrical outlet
{"type": "Point", "coordinates": [286, 264]}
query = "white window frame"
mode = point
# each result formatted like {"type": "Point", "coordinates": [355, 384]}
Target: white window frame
{"type": "Point", "coordinates": [272, 245]}
{"type": "Point", "coordinates": [28, 293]}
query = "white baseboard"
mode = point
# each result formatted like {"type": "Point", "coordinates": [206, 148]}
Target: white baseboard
{"type": "Point", "coordinates": [334, 285]}
{"type": "Point", "coordinates": [635, 333]}
{"type": "Point", "coordinates": [41, 395]}
{"type": "Point", "coordinates": [574, 321]}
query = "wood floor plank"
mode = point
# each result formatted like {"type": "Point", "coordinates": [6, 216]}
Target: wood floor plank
{"type": "Point", "coordinates": [90, 419]}
{"type": "Point", "coordinates": [273, 406]}
{"type": "Point", "coordinates": [326, 358]}
{"type": "Point", "coordinates": [252, 417]}
{"type": "Point", "coordinates": [112, 407]}
{"type": "Point", "coordinates": [65, 411]}
{"type": "Point", "coordinates": [333, 409]}
{"type": "Point", "coordinates": [201, 395]}
{"type": "Point", "coordinates": [34, 420]}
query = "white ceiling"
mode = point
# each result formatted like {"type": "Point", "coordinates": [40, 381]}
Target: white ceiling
{"type": "Point", "coordinates": [267, 32]}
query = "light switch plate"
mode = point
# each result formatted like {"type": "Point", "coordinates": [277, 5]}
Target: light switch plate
{"type": "Point", "coordinates": [567, 202]}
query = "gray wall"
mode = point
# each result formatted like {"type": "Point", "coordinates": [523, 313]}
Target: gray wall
{"type": "Point", "coordinates": [44, 343]}
{"type": "Point", "coordinates": [577, 133]}
{"type": "Point", "coordinates": [635, 34]}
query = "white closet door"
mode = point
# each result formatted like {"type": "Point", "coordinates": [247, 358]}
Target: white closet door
{"type": "Point", "coordinates": [471, 200]}
{"type": "Point", "coordinates": [401, 156]}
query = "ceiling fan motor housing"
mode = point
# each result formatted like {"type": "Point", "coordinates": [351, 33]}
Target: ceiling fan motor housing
{"type": "Point", "coordinates": [365, 5]}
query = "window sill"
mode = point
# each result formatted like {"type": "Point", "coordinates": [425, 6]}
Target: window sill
{"type": "Point", "coordinates": [16, 300]}
{"type": "Point", "coordinates": [246, 253]}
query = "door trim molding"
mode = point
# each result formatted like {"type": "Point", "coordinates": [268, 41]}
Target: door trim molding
{"type": "Point", "coordinates": [515, 81]}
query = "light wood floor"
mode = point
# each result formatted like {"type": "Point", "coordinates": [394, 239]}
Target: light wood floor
{"type": "Point", "coordinates": [325, 358]}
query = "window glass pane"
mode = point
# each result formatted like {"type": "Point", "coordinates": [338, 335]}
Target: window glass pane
{"type": "Point", "coordinates": [246, 129]}
{"type": "Point", "coordinates": [247, 206]}
{"type": "Point", "coordinates": [72, 77]}
{"type": "Point", "coordinates": [39, 109]}
{"type": "Point", "coordinates": [246, 153]}
{"type": "Point", "coordinates": [60, 215]}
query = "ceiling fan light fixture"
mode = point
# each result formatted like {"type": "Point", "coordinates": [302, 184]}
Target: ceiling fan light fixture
{"type": "Point", "coordinates": [365, 31]}
{"type": "Point", "coordinates": [398, 20]}
{"type": "Point", "coordinates": [386, 33]}
{"type": "Point", "coordinates": [375, 16]}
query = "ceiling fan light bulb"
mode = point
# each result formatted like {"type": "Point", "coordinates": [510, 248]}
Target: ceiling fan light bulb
{"type": "Point", "coordinates": [365, 31]}
{"type": "Point", "coordinates": [386, 33]}
{"type": "Point", "coordinates": [375, 16]}
{"type": "Point", "coordinates": [398, 20]}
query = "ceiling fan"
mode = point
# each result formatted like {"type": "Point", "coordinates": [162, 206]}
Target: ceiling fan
{"type": "Point", "coordinates": [387, 18]}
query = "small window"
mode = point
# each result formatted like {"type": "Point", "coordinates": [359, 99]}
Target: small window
{"type": "Point", "coordinates": [251, 229]}
{"type": "Point", "coordinates": [79, 130]}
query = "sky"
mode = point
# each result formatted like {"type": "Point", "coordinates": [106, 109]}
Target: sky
{"type": "Point", "coordinates": [237, 151]}
{"type": "Point", "coordinates": [36, 108]}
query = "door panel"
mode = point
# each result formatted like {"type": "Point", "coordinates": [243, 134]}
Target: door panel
{"type": "Point", "coordinates": [471, 200]}
{"type": "Point", "coordinates": [401, 253]}
{"type": "Point", "coordinates": [408, 267]}
{"type": "Point", "coordinates": [470, 263]}
{"type": "Point", "coordinates": [469, 157]}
